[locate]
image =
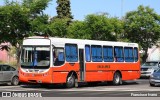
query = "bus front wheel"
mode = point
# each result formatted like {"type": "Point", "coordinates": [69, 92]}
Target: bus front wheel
{"type": "Point", "coordinates": [117, 80]}
{"type": "Point", "coordinates": [70, 81]}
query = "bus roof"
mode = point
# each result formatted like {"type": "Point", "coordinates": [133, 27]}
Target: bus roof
{"type": "Point", "coordinates": [62, 41]}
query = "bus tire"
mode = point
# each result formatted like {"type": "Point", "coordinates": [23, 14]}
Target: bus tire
{"type": "Point", "coordinates": [15, 80]}
{"type": "Point", "coordinates": [70, 83]}
{"type": "Point", "coordinates": [117, 80]}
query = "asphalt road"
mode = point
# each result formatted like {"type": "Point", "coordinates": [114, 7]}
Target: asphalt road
{"type": "Point", "coordinates": [137, 88]}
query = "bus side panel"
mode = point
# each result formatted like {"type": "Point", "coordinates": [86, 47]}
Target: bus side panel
{"type": "Point", "coordinates": [130, 75]}
{"type": "Point", "coordinates": [72, 67]}
{"type": "Point", "coordinates": [99, 76]}
{"type": "Point", "coordinates": [60, 73]}
{"type": "Point", "coordinates": [67, 67]}
{"type": "Point", "coordinates": [112, 66]}
{"type": "Point", "coordinates": [96, 76]}
{"type": "Point", "coordinates": [110, 75]}
{"type": "Point", "coordinates": [59, 77]}
{"type": "Point", "coordinates": [129, 71]}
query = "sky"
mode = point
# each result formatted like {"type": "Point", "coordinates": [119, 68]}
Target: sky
{"type": "Point", "coordinates": [115, 8]}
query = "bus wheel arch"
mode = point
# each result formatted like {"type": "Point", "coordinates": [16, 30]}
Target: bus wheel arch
{"type": "Point", "coordinates": [117, 78]}
{"type": "Point", "coordinates": [72, 79]}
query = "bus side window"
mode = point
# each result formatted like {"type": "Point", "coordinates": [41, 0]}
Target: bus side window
{"type": "Point", "coordinates": [108, 54]}
{"type": "Point", "coordinates": [136, 54]}
{"type": "Point", "coordinates": [58, 56]}
{"type": "Point", "coordinates": [87, 53]}
{"type": "Point", "coordinates": [128, 54]}
{"type": "Point", "coordinates": [61, 56]}
{"type": "Point", "coordinates": [71, 52]}
{"type": "Point", "coordinates": [115, 56]}
{"type": "Point", "coordinates": [96, 51]}
{"type": "Point", "coordinates": [118, 54]}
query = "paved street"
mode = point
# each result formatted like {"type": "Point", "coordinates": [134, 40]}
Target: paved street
{"type": "Point", "coordinates": [100, 90]}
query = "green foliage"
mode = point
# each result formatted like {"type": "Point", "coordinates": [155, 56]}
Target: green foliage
{"type": "Point", "coordinates": [100, 27]}
{"type": "Point", "coordinates": [63, 9]}
{"type": "Point", "coordinates": [118, 29]}
{"type": "Point", "coordinates": [58, 27]}
{"type": "Point", "coordinates": [96, 27]}
{"type": "Point", "coordinates": [22, 19]}
{"type": "Point", "coordinates": [142, 26]}
{"type": "Point", "coordinates": [40, 25]}
{"type": "Point", "coordinates": [78, 29]}
{"type": "Point", "coordinates": [35, 6]}
{"type": "Point", "coordinates": [19, 20]}
{"type": "Point", "coordinates": [13, 23]}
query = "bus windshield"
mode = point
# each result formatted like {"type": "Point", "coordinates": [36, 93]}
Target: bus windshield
{"type": "Point", "coordinates": [35, 57]}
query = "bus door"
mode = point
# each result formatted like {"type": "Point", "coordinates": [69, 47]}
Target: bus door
{"type": "Point", "coordinates": [81, 63]}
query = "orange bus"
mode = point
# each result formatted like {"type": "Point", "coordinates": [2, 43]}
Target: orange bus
{"type": "Point", "coordinates": [71, 61]}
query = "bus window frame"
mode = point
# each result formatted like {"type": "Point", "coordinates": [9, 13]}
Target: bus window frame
{"type": "Point", "coordinates": [89, 52]}
{"type": "Point", "coordinates": [53, 55]}
{"type": "Point", "coordinates": [76, 49]}
{"type": "Point", "coordinates": [137, 54]}
{"type": "Point", "coordinates": [116, 57]}
{"type": "Point", "coordinates": [112, 53]}
{"type": "Point", "coordinates": [34, 46]}
{"type": "Point", "coordinates": [128, 52]}
{"type": "Point", "coordinates": [96, 53]}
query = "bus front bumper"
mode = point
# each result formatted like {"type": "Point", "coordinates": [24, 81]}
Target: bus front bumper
{"type": "Point", "coordinates": [32, 78]}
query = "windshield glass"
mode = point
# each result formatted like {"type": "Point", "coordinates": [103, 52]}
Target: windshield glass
{"type": "Point", "coordinates": [36, 57]}
{"type": "Point", "coordinates": [150, 64]}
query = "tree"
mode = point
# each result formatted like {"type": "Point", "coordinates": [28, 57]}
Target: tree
{"type": "Point", "coordinates": [118, 29]}
{"type": "Point", "coordinates": [58, 27]}
{"type": "Point", "coordinates": [63, 9]}
{"type": "Point", "coordinates": [96, 27]}
{"type": "Point", "coordinates": [78, 29]}
{"type": "Point", "coordinates": [20, 20]}
{"type": "Point", "coordinates": [100, 27]}
{"type": "Point", "coordinates": [142, 26]}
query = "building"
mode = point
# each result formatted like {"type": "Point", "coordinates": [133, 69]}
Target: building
{"type": "Point", "coordinates": [5, 57]}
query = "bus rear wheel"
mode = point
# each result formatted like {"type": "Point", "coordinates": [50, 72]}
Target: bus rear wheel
{"type": "Point", "coordinates": [117, 80]}
{"type": "Point", "coordinates": [70, 83]}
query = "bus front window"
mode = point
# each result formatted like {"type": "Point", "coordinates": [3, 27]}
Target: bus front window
{"type": "Point", "coordinates": [35, 57]}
